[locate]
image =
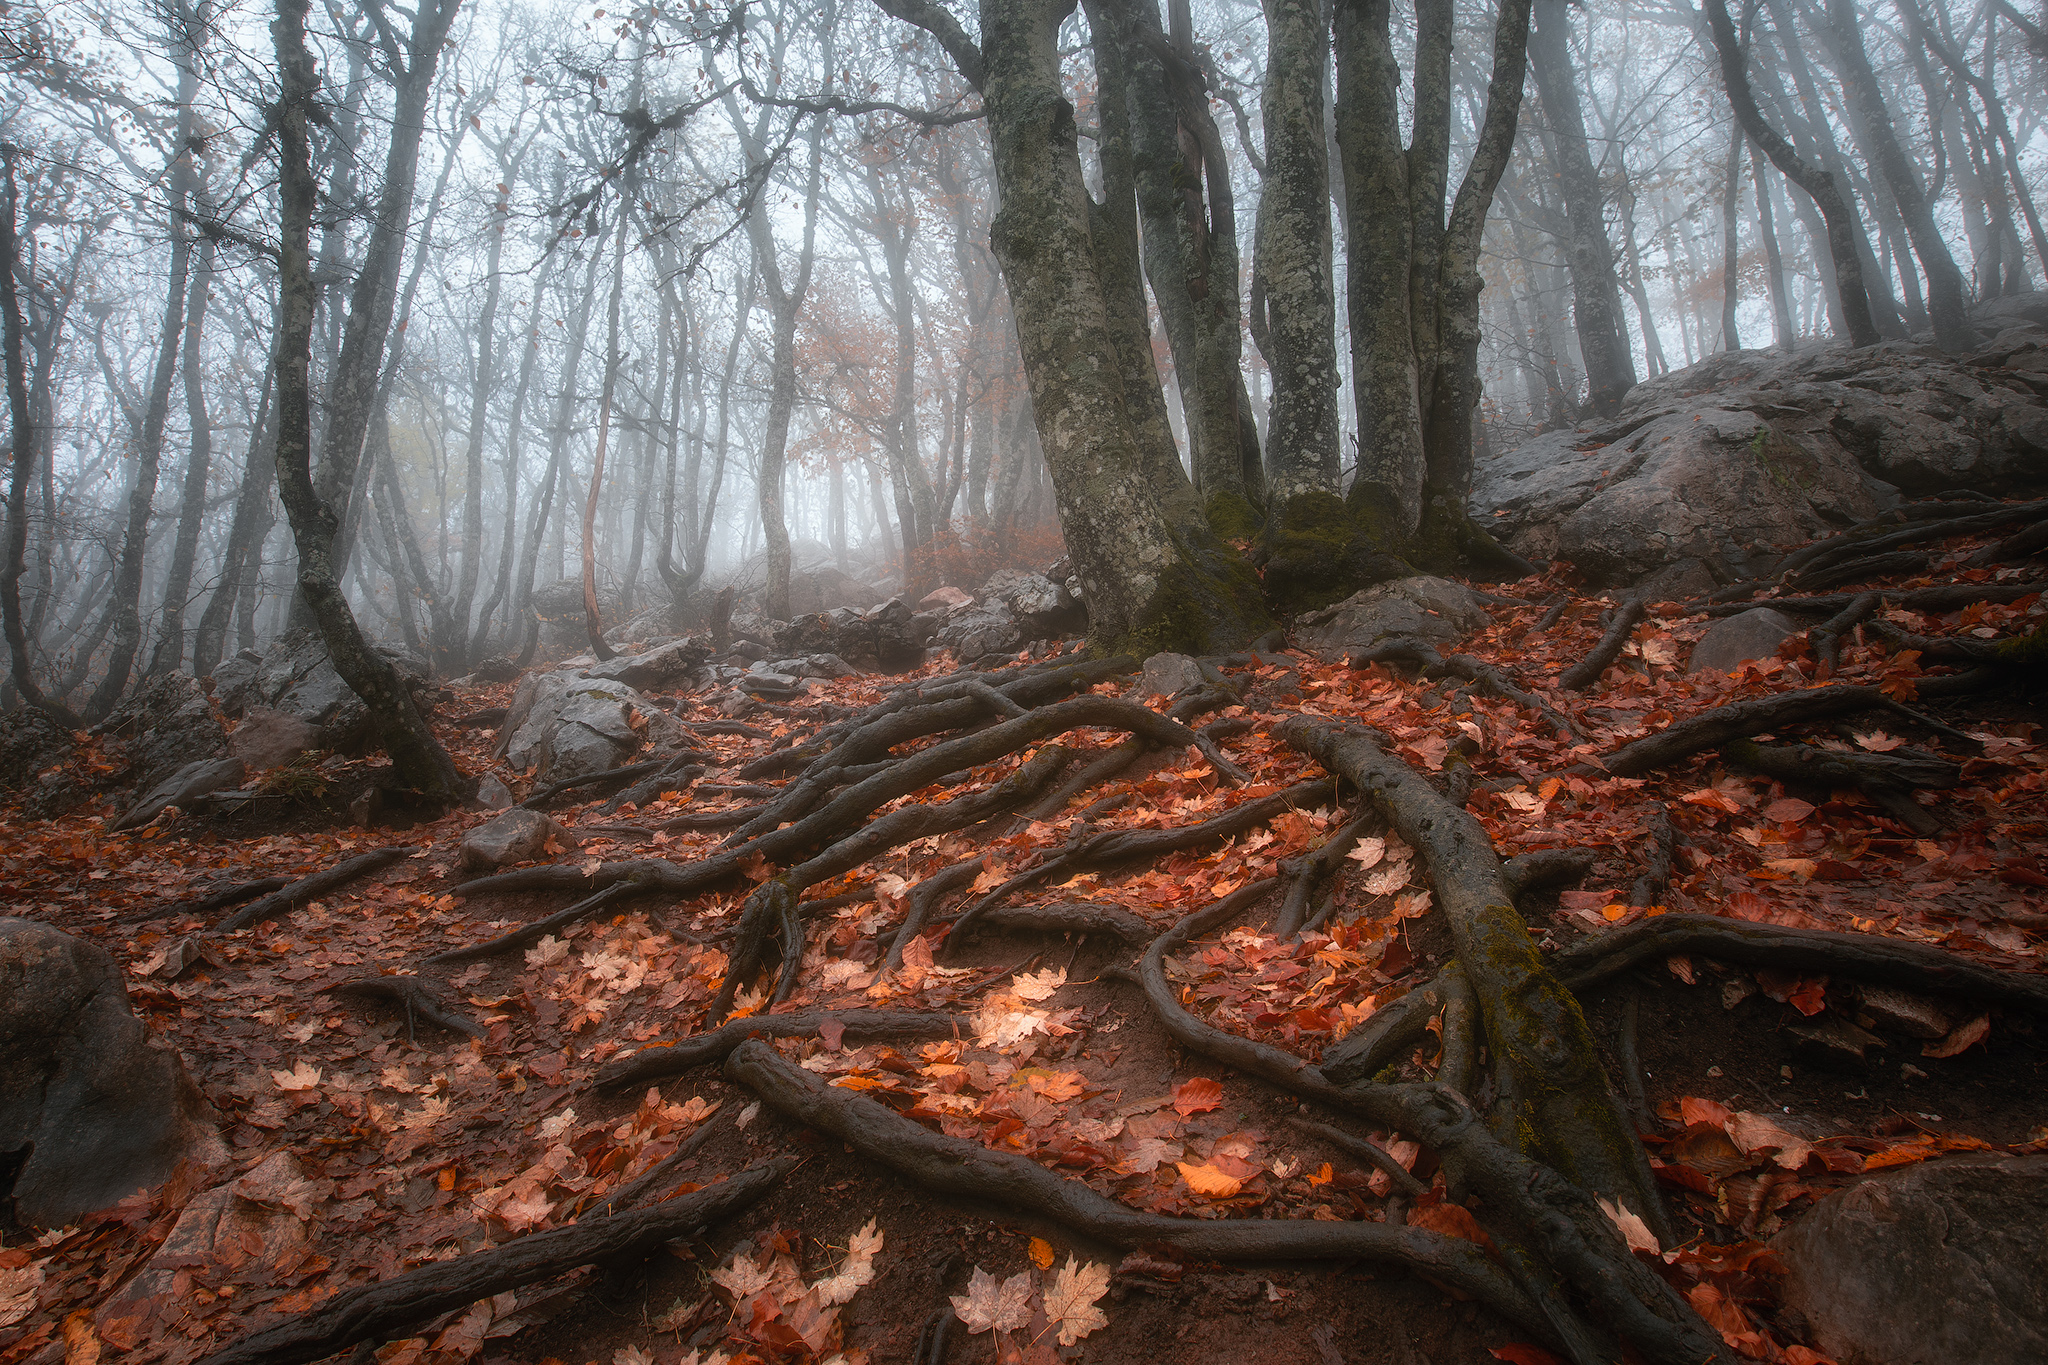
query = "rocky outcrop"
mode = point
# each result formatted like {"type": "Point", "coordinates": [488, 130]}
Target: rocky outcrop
{"type": "Point", "coordinates": [1014, 608]}
{"type": "Point", "coordinates": [92, 1107]}
{"type": "Point", "coordinates": [1937, 1264]}
{"type": "Point", "coordinates": [664, 668]}
{"type": "Point", "coordinates": [886, 639]}
{"type": "Point", "coordinates": [29, 743]}
{"type": "Point", "coordinates": [565, 724]}
{"type": "Point", "coordinates": [296, 679]}
{"type": "Point", "coordinates": [269, 739]}
{"type": "Point", "coordinates": [1705, 474]}
{"type": "Point", "coordinates": [200, 778]}
{"type": "Point", "coordinates": [168, 724]}
{"type": "Point", "coordinates": [1422, 607]}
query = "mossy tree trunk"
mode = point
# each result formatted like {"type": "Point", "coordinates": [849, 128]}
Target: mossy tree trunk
{"type": "Point", "coordinates": [1150, 584]}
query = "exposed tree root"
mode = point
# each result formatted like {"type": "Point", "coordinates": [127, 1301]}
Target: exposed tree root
{"type": "Point", "coordinates": [1940, 650]}
{"type": "Point", "coordinates": [672, 1059]}
{"type": "Point", "coordinates": [1741, 719]}
{"type": "Point", "coordinates": [226, 896]}
{"type": "Point", "coordinates": [1074, 917]}
{"type": "Point", "coordinates": [1312, 872]}
{"type": "Point", "coordinates": [1864, 957]}
{"type": "Point", "coordinates": [1934, 601]}
{"type": "Point", "coordinates": [1587, 671]}
{"type": "Point", "coordinates": [1547, 867]}
{"type": "Point", "coordinates": [554, 789]}
{"type": "Point", "coordinates": [1555, 1218]}
{"type": "Point", "coordinates": [540, 929]}
{"type": "Point", "coordinates": [1371, 1152]}
{"type": "Point", "coordinates": [418, 998]}
{"type": "Point", "coordinates": [951, 1166]}
{"type": "Point", "coordinates": [1863, 570]}
{"type": "Point", "coordinates": [387, 1309]}
{"type": "Point", "coordinates": [2013, 548]}
{"type": "Point", "coordinates": [1825, 639]}
{"type": "Point", "coordinates": [1542, 1050]}
{"type": "Point", "coordinates": [924, 899]}
{"type": "Point", "coordinates": [1970, 524]}
{"type": "Point", "coordinates": [1484, 677]}
{"type": "Point", "coordinates": [1888, 779]}
{"type": "Point", "coordinates": [1111, 848]}
{"type": "Point", "coordinates": [1655, 879]}
{"type": "Point", "coordinates": [306, 888]}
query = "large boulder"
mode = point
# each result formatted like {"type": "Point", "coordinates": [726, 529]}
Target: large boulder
{"type": "Point", "coordinates": [1937, 1264]}
{"type": "Point", "coordinates": [679, 663]}
{"type": "Point", "coordinates": [268, 739]}
{"type": "Point", "coordinates": [563, 724]}
{"type": "Point", "coordinates": [1043, 609]}
{"type": "Point", "coordinates": [199, 778]}
{"type": "Point", "coordinates": [91, 1105]}
{"type": "Point", "coordinates": [167, 725]}
{"type": "Point", "coordinates": [984, 628]}
{"type": "Point", "coordinates": [297, 679]}
{"type": "Point", "coordinates": [1723, 464]}
{"type": "Point", "coordinates": [888, 638]}
{"type": "Point", "coordinates": [1421, 607]}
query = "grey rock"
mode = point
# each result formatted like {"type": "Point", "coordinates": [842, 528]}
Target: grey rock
{"type": "Point", "coordinates": [1730, 461]}
{"type": "Point", "coordinates": [1042, 608]}
{"type": "Point", "coordinates": [944, 599]}
{"type": "Point", "coordinates": [1942, 1263]}
{"type": "Point", "coordinates": [1425, 607]}
{"type": "Point", "coordinates": [195, 779]}
{"type": "Point", "coordinates": [665, 668]}
{"type": "Point", "coordinates": [981, 629]}
{"type": "Point", "coordinates": [517, 836]}
{"type": "Point", "coordinates": [562, 725]}
{"type": "Point", "coordinates": [101, 1108]}
{"type": "Point", "coordinates": [770, 684]}
{"type": "Point", "coordinates": [829, 666]}
{"type": "Point", "coordinates": [163, 727]}
{"type": "Point", "coordinates": [1167, 674]}
{"type": "Point", "coordinates": [30, 742]}
{"type": "Point", "coordinates": [884, 638]}
{"type": "Point", "coordinates": [297, 679]}
{"type": "Point", "coordinates": [1915, 1016]}
{"type": "Point", "coordinates": [1753, 634]}
{"type": "Point", "coordinates": [234, 682]}
{"type": "Point", "coordinates": [268, 739]}
{"type": "Point", "coordinates": [492, 794]}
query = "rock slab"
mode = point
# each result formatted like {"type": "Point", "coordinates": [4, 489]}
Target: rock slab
{"type": "Point", "coordinates": [1938, 1264]}
{"type": "Point", "coordinates": [1424, 607]}
{"type": "Point", "coordinates": [90, 1103]}
{"type": "Point", "coordinates": [269, 739]}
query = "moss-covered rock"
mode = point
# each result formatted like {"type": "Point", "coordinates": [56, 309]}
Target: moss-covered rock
{"type": "Point", "coordinates": [1232, 516]}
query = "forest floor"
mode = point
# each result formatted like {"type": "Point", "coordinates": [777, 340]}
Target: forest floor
{"type": "Point", "coordinates": [414, 1143]}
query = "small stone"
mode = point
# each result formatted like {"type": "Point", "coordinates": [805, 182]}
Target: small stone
{"type": "Point", "coordinates": [1735, 990]}
{"type": "Point", "coordinates": [1715, 1072]}
{"type": "Point", "coordinates": [1899, 1011]}
{"type": "Point", "coordinates": [493, 794]}
{"type": "Point", "coordinates": [1167, 675]}
{"type": "Point", "coordinates": [517, 836]}
{"type": "Point", "coordinates": [944, 599]}
{"type": "Point", "coordinates": [1733, 641]}
{"type": "Point", "coordinates": [365, 807]}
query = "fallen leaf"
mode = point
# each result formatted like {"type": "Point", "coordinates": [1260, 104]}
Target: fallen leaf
{"type": "Point", "coordinates": [303, 1076]}
{"type": "Point", "coordinates": [856, 1271]}
{"type": "Point", "coordinates": [1070, 1301]}
{"type": "Point", "coordinates": [742, 1279]}
{"type": "Point", "coordinates": [1041, 1253]}
{"type": "Point", "coordinates": [989, 1303]}
{"type": "Point", "coordinates": [1633, 1229]}
{"type": "Point", "coordinates": [1961, 1038]}
{"type": "Point", "coordinates": [1205, 1179]}
{"type": "Point", "coordinates": [1788, 811]}
{"type": "Point", "coordinates": [1197, 1096]}
{"type": "Point", "coordinates": [18, 1292]}
{"type": "Point", "coordinates": [1039, 985]}
{"type": "Point", "coordinates": [1878, 742]}
{"type": "Point", "coordinates": [1368, 853]}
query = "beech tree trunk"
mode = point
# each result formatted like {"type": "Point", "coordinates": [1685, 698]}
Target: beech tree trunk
{"type": "Point", "coordinates": [1596, 294]}
{"type": "Point", "coordinates": [418, 760]}
{"type": "Point", "coordinates": [1149, 585]}
{"type": "Point", "coordinates": [169, 654]}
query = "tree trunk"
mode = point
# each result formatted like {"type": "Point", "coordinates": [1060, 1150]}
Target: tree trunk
{"type": "Point", "coordinates": [593, 624]}
{"type": "Point", "coordinates": [169, 655]}
{"type": "Point", "coordinates": [1596, 294]}
{"type": "Point", "coordinates": [23, 455]}
{"type": "Point", "coordinates": [418, 760]}
{"type": "Point", "coordinates": [1844, 235]}
{"type": "Point", "coordinates": [1731, 240]}
{"type": "Point", "coordinates": [1148, 586]}
{"type": "Point", "coordinates": [241, 558]}
{"type": "Point", "coordinates": [1766, 229]}
{"type": "Point", "coordinates": [463, 641]}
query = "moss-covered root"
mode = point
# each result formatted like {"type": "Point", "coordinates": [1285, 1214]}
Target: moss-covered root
{"type": "Point", "coordinates": [1565, 1112]}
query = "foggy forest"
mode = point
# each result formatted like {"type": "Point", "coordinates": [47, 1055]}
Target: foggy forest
{"type": "Point", "coordinates": [971, 627]}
